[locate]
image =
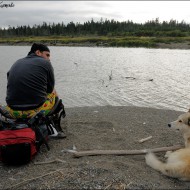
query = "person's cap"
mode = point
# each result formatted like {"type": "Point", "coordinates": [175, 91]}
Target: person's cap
{"type": "Point", "coordinates": [40, 47]}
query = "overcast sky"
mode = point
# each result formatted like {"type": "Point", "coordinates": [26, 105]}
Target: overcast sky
{"type": "Point", "coordinates": [37, 12]}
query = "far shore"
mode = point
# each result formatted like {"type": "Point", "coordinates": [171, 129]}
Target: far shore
{"type": "Point", "coordinates": [171, 45]}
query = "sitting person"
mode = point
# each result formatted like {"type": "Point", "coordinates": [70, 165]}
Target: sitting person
{"type": "Point", "coordinates": [30, 86]}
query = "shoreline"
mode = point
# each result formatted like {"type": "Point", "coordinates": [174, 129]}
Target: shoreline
{"type": "Point", "coordinates": [127, 107]}
{"type": "Point", "coordinates": [171, 45]}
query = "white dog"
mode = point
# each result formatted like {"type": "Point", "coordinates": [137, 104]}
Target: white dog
{"type": "Point", "coordinates": [178, 162]}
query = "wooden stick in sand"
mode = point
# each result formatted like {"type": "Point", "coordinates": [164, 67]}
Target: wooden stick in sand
{"type": "Point", "coordinates": [50, 162]}
{"type": "Point", "coordinates": [78, 154]}
{"type": "Point", "coordinates": [29, 180]}
{"type": "Point", "coordinates": [145, 139]}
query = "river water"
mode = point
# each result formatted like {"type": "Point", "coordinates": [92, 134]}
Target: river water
{"type": "Point", "coordinates": [94, 76]}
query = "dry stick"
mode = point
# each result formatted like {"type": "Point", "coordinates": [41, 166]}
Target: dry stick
{"type": "Point", "coordinates": [128, 184]}
{"type": "Point", "coordinates": [108, 186]}
{"type": "Point", "coordinates": [145, 139]}
{"type": "Point", "coordinates": [123, 152]}
{"type": "Point", "coordinates": [28, 180]}
{"type": "Point", "coordinates": [50, 162]}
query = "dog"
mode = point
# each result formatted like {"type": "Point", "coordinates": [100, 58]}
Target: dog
{"type": "Point", "coordinates": [178, 162]}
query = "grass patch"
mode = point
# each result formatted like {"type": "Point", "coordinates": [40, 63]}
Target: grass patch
{"type": "Point", "coordinates": [129, 41]}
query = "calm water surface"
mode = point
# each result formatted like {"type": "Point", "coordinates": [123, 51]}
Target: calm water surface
{"type": "Point", "coordinates": [88, 76]}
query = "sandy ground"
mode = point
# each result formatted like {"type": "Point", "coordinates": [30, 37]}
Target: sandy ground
{"type": "Point", "coordinates": [101, 128]}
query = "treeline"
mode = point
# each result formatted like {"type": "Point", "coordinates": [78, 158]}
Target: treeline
{"type": "Point", "coordinates": [152, 28]}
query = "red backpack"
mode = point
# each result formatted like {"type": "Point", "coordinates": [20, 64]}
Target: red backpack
{"type": "Point", "coordinates": [17, 146]}
{"type": "Point", "coordinates": [21, 140]}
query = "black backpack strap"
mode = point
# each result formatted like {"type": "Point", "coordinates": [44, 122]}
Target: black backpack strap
{"type": "Point", "coordinates": [57, 107]}
{"type": "Point", "coordinates": [54, 116]}
{"type": "Point", "coordinates": [34, 124]}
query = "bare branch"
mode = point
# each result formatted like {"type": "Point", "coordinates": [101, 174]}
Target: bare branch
{"type": "Point", "coordinates": [123, 152]}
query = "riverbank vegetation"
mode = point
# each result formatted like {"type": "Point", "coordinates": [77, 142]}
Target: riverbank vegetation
{"type": "Point", "coordinates": [100, 33]}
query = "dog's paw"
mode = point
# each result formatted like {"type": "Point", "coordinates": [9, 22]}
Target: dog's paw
{"type": "Point", "coordinates": [149, 158]}
{"type": "Point", "coordinates": [167, 154]}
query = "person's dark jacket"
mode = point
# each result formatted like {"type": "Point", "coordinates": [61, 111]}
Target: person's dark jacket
{"type": "Point", "coordinates": [29, 81]}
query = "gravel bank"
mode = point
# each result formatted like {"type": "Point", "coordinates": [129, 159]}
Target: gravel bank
{"type": "Point", "coordinates": [102, 128]}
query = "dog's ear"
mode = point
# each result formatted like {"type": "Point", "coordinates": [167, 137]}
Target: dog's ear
{"type": "Point", "coordinates": [189, 110]}
{"type": "Point", "coordinates": [188, 122]}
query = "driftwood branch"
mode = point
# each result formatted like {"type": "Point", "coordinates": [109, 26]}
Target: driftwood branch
{"type": "Point", "coordinates": [78, 154]}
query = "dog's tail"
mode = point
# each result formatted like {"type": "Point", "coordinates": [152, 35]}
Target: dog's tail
{"type": "Point", "coordinates": [175, 170]}
{"type": "Point", "coordinates": [155, 163]}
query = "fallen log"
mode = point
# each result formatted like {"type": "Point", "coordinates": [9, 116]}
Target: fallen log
{"type": "Point", "coordinates": [78, 154]}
